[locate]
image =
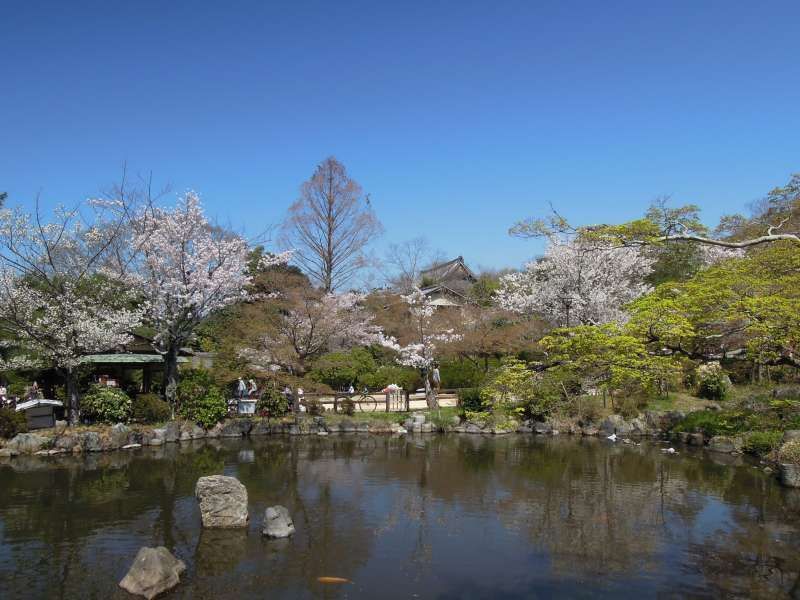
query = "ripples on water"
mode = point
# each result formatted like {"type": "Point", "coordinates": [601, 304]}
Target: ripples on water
{"type": "Point", "coordinates": [422, 517]}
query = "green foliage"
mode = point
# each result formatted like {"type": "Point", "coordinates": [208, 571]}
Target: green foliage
{"type": "Point", "coordinates": [273, 403]}
{"type": "Point", "coordinates": [106, 404]}
{"type": "Point", "coordinates": [206, 410]}
{"type": "Point", "coordinates": [200, 399]}
{"type": "Point", "coordinates": [469, 399]}
{"type": "Point", "coordinates": [340, 369]}
{"type": "Point", "coordinates": [509, 389]}
{"type": "Point", "coordinates": [150, 408]}
{"type": "Point", "coordinates": [406, 377]}
{"type": "Point", "coordinates": [12, 423]}
{"type": "Point", "coordinates": [482, 291]}
{"type": "Point", "coordinates": [762, 442]}
{"type": "Point", "coordinates": [713, 382]}
{"type": "Point", "coordinates": [790, 452]}
{"type": "Point", "coordinates": [609, 356]}
{"type": "Point", "coordinates": [461, 374]}
{"type": "Point", "coordinates": [727, 422]}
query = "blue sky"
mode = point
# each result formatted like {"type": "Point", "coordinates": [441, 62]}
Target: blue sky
{"type": "Point", "coordinates": [457, 117]}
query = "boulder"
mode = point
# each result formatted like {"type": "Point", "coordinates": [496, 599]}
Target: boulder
{"type": "Point", "coordinates": [639, 426]}
{"type": "Point", "coordinates": [525, 427]}
{"type": "Point", "coordinates": [236, 428]}
{"type": "Point", "coordinates": [696, 439]}
{"type": "Point", "coordinates": [118, 435]}
{"type": "Point", "coordinates": [67, 443]}
{"type": "Point", "coordinates": [60, 427]}
{"type": "Point", "coordinates": [191, 431]}
{"type": "Point", "coordinates": [260, 427]}
{"type": "Point", "coordinates": [427, 428]}
{"type": "Point", "coordinates": [223, 501]}
{"type": "Point", "coordinates": [724, 444]}
{"type": "Point", "coordinates": [472, 428]}
{"type": "Point", "coordinates": [590, 430]}
{"type": "Point", "coordinates": [215, 431]}
{"type": "Point", "coordinates": [786, 392]}
{"type": "Point", "coordinates": [27, 443]}
{"type": "Point", "coordinates": [91, 441]}
{"type": "Point", "coordinates": [789, 474]}
{"type": "Point", "coordinates": [347, 426]}
{"type": "Point", "coordinates": [154, 571]}
{"type": "Point", "coordinates": [418, 418]}
{"type": "Point", "coordinates": [156, 437]}
{"type": "Point", "coordinates": [172, 432]}
{"type": "Point", "coordinates": [277, 522]}
{"type": "Point", "coordinates": [790, 435]}
{"type": "Point", "coordinates": [615, 424]}
{"type": "Point", "coordinates": [542, 428]}
{"type": "Point", "coordinates": [362, 427]}
{"type": "Point", "coordinates": [408, 424]}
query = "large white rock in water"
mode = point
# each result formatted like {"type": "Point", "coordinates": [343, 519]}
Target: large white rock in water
{"type": "Point", "coordinates": [154, 570]}
{"type": "Point", "coordinates": [223, 501]}
{"type": "Point", "coordinates": [277, 522]}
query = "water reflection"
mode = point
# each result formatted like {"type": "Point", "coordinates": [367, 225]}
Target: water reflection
{"type": "Point", "coordinates": [449, 517]}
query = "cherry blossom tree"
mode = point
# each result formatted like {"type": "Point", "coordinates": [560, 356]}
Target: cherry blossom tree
{"type": "Point", "coordinates": [578, 282]}
{"type": "Point", "coordinates": [308, 325]}
{"type": "Point", "coordinates": [187, 269]}
{"type": "Point", "coordinates": [59, 297]}
{"type": "Point", "coordinates": [426, 338]}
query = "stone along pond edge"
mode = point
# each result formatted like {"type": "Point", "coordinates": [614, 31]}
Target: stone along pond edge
{"type": "Point", "coordinates": [651, 424]}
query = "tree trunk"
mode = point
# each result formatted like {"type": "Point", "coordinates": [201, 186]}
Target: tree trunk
{"type": "Point", "coordinates": [171, 376]}
{"type": "Point", "coordinates": [430, 393]}
{"type": "Point", "coordinates": [73, 402]}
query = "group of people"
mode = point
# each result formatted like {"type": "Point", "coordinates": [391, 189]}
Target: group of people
{"type": "Point", "coordinates": [246, 389]}
{"type": "Point", "coordinates": [33, 393]}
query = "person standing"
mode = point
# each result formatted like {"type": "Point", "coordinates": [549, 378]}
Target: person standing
{"type": "Point", "coordinates": [436, 379]}
{"type": "Point", "coordinates": [241, 388]}
{"type": "Point", "coordinates": [253, 388]}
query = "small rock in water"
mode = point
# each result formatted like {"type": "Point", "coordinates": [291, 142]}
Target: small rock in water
{"type": "Point", "coordinates": [277, 522]}
{"type": "Point", "coordinates": [154, 570]}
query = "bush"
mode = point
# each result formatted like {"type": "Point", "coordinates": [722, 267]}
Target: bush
{"type": "Point", "coordinates": [713, 382]}
{"type": "Point", "coordinates": [762, 442]}
{"type": "Point", "coordinates": [630, 406]}
{"type": "Point", "coordinates": [207, 410]}
{"type": "Point", "coordinates": [106, 404]}
{"type": "Point", "coordinates": [509, 387]}
{"type": "Point", "coordinates": [150, 408]}
{"type": "Point", "coordinates": [273, 404]}
{"type": "Point", "coordinates": [405, 377]}
{"type": "Point", "coordinates": [347, 406]}
{"type": "Point", "coordinates": [12, 422]}
{"type": "Point", "coordinates": [314, 407]}
{"type": "Point", "coordinates": [790, 452]}
{"type": "Point", "coordinates": [193, 384]}
{"type": "Point", "coordinates": [461, 374]}
{"type": "Point", "coordinates": [469, 399]}
{"type": "Point", "coordinates": [340, 369]}
{"type": "Point", "coordinates": [727, 422]}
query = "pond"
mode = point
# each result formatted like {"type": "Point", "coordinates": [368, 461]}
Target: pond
{"type": "Point", "coordinates": [453, 516]}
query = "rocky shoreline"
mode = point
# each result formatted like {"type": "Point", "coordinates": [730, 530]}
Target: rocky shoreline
{"type": "Point", "coordinates": [651, 424]}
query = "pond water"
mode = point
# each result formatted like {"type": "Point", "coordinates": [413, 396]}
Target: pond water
{"type": "Point", "coordinates": [418, 517]}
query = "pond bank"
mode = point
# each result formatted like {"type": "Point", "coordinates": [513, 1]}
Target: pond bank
{"type": "Point", "coordinates": [650, 424]}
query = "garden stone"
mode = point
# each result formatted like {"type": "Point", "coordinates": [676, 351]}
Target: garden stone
{"type": "Point", "coordinates": [786, 392]}
{"type": "Point", "coordinates": [347, 426]}
{"type": "Point", "coordinates": [118, 436]}
{"type": "Point", "coordinates": [790, 435]}
{"type": "Point", "coordinates": [473, 428]}
{"type": "Point", "coordinates": [260, 428]}
{"type": "Point", "coordinates": [172, 432]}
{"type": "Point", "coordinates": [236, 428]}
{"type": "Point", "coordinates": [724, 444]}
{"type": "Point", "coordinates": [790, 474]}
{"type": "Point", "coordinates": [590, 430]}
{"type": "Point", "coordinates": [8, 453]}
{"type": "Point", "coordinates": [191, 431]}
{"type": "Point", "coordinates": [542, 428]}
{"type": "Point", "coordinates": [223, 501]}
{"type": "Point", "coordinates": [27, 443]}
{"type": "Point", "coordinates": [408, 424]}
{"type": "Point", "coordinates": [91, 441]}
{"type": "Point", "coordinates": [525, 427]}
{"type": "Point", "coordinates": [131, 446]}
{"type": "Point", "coordinates": [696, 439]}
{"type": "Point", "coordinates": [639, 426]}
{"type": "Point", "coordinates": [154, 571]}
{"type": "Point", "coordinates": [60, 427]}
{"type": "Point", "coordinates": [66, 443]}
{"type": "Point", "coordinates": [277, 522]}
{"type": "Point", "coordinates": [362, 427]}
{"type": "Point", "coordinates": [215, 431]}
{"type": "Point", "coordinates": [615, 424]}
{"type": "Point", "coordinates": [157, 436]}
{"type": "Point", "coordinates": [427, 428]}
{"type": "Point", "coordinates": [418, 418]}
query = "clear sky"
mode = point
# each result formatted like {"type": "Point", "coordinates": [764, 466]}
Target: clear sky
{"type": "Point", "coordinates": [457, 117]}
